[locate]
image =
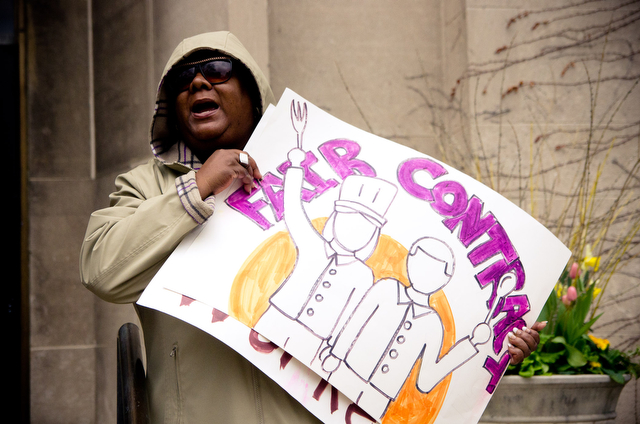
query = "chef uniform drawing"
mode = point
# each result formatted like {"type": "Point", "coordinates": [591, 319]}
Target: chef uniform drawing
{"type": "Point", "coordinates": [330, 275]}
{"type": "Point", "coordinates": [392, 328]}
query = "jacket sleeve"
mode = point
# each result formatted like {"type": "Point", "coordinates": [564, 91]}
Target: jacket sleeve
{"type": "Point", "coordinates": [127, 243]}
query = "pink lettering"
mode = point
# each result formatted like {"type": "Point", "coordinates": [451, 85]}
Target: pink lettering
{"type": "Point", "coordinates": [450, 198]}
{"type": "Point", "coordinates": [239, 200]}
{"type": "Point", "coordinates": [285, 359]}
{"type": "Point", "coordinates": [218, 316]}
{"type": "Point", "coordinates": [472, 225]}
{"type": "Point", "coordinates": [406, 172]}
{"type": "Point", "coordinates": [355, 409]}
{"type": "Point", "coordinates": [322, 385]}
{"type": "Point", "coordinates": [310, 176]}
{"type": "Point", "coordinates": [515, 308]}
{"type": "Point", "coordinates": [344, 164]}
{"type": "Point", "coordinates": [494, 272]}
{"type": "Point", "coordinates": [186, 301]}
{"type": "Point", "coordinates": [499, 243]}
{"type": "Point", "coordinates": [496, 369]}
{"type": "Point", "coordinates": [272, 189]}
{"type": "Point", "coordinates": [260, 346]}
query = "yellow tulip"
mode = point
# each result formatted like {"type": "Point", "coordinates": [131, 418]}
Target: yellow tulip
{"type": "Point", "coordinates": [595, 364]}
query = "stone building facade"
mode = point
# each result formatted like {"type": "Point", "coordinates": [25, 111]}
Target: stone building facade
{"type": "Point", "coordinates": [91, 70]}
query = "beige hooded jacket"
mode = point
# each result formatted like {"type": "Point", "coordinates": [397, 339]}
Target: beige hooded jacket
{"type": "Point", "coordinates": [192, 378]}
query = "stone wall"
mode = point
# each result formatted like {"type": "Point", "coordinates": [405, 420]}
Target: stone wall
{"type": "Point", "coordinates": [388, 68]}
{"type": "Point", "coordinates": [544, 83]}
{"type": "Point", "coordinates": [60, 192]}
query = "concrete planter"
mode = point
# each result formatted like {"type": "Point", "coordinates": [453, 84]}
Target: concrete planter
{"type": "Point", "coordinates": [581, 399]}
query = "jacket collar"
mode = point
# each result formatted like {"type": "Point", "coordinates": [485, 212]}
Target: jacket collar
{"type": "Point", "coordinates": [409, 296]}
{"type": "Point", "coordinates": [178, 156]}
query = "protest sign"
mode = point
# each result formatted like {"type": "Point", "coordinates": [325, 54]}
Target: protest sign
{"type": "Point", "coordinates": [369, 280]}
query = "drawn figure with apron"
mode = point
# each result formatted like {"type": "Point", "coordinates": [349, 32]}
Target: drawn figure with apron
{"type": "Point", "coordinates": [330, 275]}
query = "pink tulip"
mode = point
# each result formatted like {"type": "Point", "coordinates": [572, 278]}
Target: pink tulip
{"type": "Point", "coordinates": [565, 300]}
{"type": "Point", "coordinates": [574, 271]}
{"type": "Point", "coordinates": [572, 294]}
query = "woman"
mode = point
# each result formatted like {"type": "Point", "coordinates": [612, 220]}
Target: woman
{"type": "Point", "coordinates": [209, 100]}
{"type": "Point", "coordinates": [206, 111]}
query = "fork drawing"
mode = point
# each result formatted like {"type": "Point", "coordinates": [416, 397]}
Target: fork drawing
{"type": "Point", "coordinates": [299, 119]}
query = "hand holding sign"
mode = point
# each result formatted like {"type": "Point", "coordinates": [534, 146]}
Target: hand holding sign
{"type": "Point", "coordinates": [301, 277]}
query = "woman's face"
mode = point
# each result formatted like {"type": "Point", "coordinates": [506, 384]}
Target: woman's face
{"type": "Point", "coordinates": [214, 116]}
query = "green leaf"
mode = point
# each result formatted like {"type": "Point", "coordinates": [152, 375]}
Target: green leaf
{"type": "Point", "coordinates": [615, 376]}
{"type": "Point", "coordinates": [544, 368]}
{"type": "Point", "coordinates": [527, 373]}
{"type": "Point", "coordinates": [575, 358]}
{"type": "Point", "coordinates": [551, 357]}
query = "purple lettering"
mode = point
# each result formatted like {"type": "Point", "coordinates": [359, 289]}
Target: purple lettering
{"type": "Point", "coordinates": [272, 186]}
{"type": "Point", "coordinates": [310, 176]}
{"type": "Point", "coordinates": [445, 190]}
{"type": "Point", "coordinates": [239, 200]}
{"type": "Point", "coordinates": [345, 164]}
{"type": "Point", "coordinates": [322, 385]}
{"type": "Point", "coordinates": [407, 169]}
{"type": "Point", "coordinates": [472, 225]}
{"type": "Point", "coordinates": [499, 243]}
{"type": "Point", "coordinates": [285, 359]}
{"type": "Point", "coordinates": [355, 409]}
{"type": "Point", "coordinates": [496, 369]}
{"type": "Point", "coordinates": [260, 346]}
{"type": "Point", "coordinates": [186, 301]}
{"type": "Point", "coordinates": [275, 197]}
{"type": "Point", "coordinates": [515, 307]}
{"type": "Point", "coordinates": [494, 272]}
{"type": "Point", "coordinates": [218, 316]}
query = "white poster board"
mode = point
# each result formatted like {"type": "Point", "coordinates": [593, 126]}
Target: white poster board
{"type": "Point", "coordinates": [361, 265]}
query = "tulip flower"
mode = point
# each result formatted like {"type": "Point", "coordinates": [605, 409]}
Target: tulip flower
{"type": "Point", "coordinates": [572, 294]}
{"type": "Point", "coordinates": [565, 300]}
{"type": "Point", "coordinates": [574, 271]}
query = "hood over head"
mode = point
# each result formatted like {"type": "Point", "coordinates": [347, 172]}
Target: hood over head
{"type": "Point", "coordinates": [165, 143]}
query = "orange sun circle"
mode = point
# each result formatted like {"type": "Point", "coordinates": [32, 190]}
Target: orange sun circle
{"type": "Point", "coordinates": [272, 262]}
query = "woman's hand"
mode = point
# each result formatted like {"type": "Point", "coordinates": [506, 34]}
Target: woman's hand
{"type": "Point", "coordinates": [222, 168]}
{"type": "Point", "coordinates": [524, 341]}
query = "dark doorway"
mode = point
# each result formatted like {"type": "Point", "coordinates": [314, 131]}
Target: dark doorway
{"type": "Point", "coordinates": [16, 363]}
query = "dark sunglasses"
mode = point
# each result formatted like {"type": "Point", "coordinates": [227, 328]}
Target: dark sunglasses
{"type": "Point", "coordinates": [215, 70]}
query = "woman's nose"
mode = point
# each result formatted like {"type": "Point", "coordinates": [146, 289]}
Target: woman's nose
{"type": "Point", "coordinates": [199, 82]}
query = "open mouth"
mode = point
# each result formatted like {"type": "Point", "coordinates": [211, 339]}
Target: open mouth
{"type": "Point", "coordinates": [204, 107]}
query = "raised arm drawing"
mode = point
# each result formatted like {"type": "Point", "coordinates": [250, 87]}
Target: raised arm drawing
{"type": "Point", "coordinates": [330, 276]}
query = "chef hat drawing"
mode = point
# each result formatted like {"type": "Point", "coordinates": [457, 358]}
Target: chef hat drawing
{"type": "Point", "coordinates": [368, 196]}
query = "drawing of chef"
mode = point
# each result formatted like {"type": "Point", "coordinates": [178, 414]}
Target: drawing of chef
{"type": "Point", "coordinates": [330, 275]}
{"type": "Point", "coordinates": [392, 328]}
